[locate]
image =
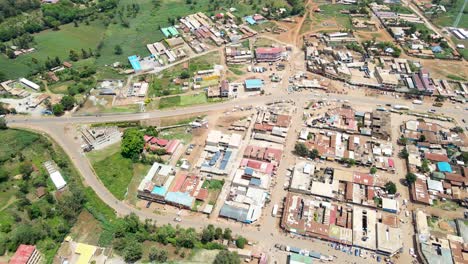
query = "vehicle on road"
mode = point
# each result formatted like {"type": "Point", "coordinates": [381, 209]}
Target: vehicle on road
{"type": "Point", "coordinates": [148, 204]}
{"type": "Point", "coordinates": [177, 219]}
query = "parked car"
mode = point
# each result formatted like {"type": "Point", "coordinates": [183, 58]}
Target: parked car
{"type": "Point", "coordinates": [177, 219]}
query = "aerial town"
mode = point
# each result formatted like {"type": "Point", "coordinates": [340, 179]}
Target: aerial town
{"type": "Point", "coordinates": [286, 131]}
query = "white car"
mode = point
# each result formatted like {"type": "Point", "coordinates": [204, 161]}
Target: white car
{"type": "Point", "coordinates": [177, 219]}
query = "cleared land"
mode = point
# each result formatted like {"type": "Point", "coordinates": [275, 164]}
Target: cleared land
{"type": "Point", "coordinates": [183, 100]}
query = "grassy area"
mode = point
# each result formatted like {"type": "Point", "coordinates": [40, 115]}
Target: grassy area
{"type": "Point", "coordinates": [164, 84]}
{"type": "Point", "coordinates": [182, 100]}
{"type": "Point", "coordinates": [332, 12]}
{"type": "Point", "coordinates": [446, 19]}
{"type": "Point", "coordinates": [177, 133]}
{"type": "Point", "coordinates": [213, 184]}
{"type": "Point", "coordinates": [50, 43]}
{"type": "Point", "coordinates": [463, 52]}
{"type": "Point", "coordinates": [115, 177]}
{"type": "Point", "coordinates": [143, 28]}
{"type": "Point", "coordinates": [455, 77]}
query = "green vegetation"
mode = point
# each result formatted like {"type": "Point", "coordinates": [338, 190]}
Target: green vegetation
{"type": "Point", "coordinates": [447, 19]}
{"type": "Point", "coordinates": [240, 242]}
{"type": "Point", "coordinates": [410, 178]}
{"type": "Point", "coordinates": [115, 172]}
{"type": "Point", "coordinates": [302, 150]}
{"type": "Point", "coordinates": [25, 217]}
{"type": "Point", "coordinates": [47, 46]}
{"type": "Point", "coordinates": [227, 257]}
{"type": "Point", "coordinates": [390, 187]}
{"type": "Point", "coordinates": [165, 83]}
{"type": "Point", "coordinates": [213, 184]}
{"type": "Point", "coordinates": [333, 12]}
{"type": "Point", "coordinates": [455, 77]}
{"type": "Point", "coordinates": [400, 9]}
{"type": "Point", "coordinates": [182, 100]}
{"type": "Point", "coordinates": [132, 143]}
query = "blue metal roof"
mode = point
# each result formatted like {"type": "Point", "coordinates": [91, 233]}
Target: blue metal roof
{"type": "Point", "coordinates": [253, 83]}
{"type": "Point", "coordinates": [159, 190]}
{"type": "Point", "coordinates": [135, 62]}
{"type": "Point", "coordinates": [250, 20]}
{"type": "Point", "coordinates": [444, 167]}
{"type": "Point", "coordinates": [255, 181]}
{"type": "Point", "coordinates": [215, 158]}
{"type": "Point", "coordinates": [180, 198]}
{"type": "Point", "coordinates": [248, 171]}
{"type": "Point", "coordinates": [239, 214]}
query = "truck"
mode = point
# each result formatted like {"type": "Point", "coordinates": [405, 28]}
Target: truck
{"type": "Point", "coordinates": [418, 102]}
{"type": "Point", "coordinates": [275, 210]}
{"type": "Point", "coordinates": [400, 107]}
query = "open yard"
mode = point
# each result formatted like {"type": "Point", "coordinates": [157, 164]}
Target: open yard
{"type": "Point", "coordinates": [330, 18]}
{"type": "Point", "coordinates": [52, 43]}
{"type": "Point", "coordinates": [164, 83]}
{"type": "Point", "coordinates": [182, 100]}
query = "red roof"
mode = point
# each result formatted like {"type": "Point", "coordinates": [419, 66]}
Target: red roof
{"type": "Point", "coordinates": [202, 194]}
{"type": "Point", "coordinates": [179, 181]}
{"type": "Point", "coordinates": [22, 254]}
{"type": "Point", "coordinates": [436, 157]}
{"type": "Point", "coordinates": [363, 178]}
{"type": "Point", "coordinates": [147, 138]}
{"type": "Point", "coordinates": [268, 50]}
{"type": "Point", "coordinates": [263, 127]}
{"type": "Point", "coordinates": [159, 141]}
{"type": "Point", "coordinates": [172, 146]}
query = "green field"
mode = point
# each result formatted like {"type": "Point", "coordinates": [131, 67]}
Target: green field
{"type": "Point", "coordinates": [113, 170]}
{"type": "Point", "coordinates": [332, 12]}
{"type": "Point", "coordinates": [143, 28]}
{"type": "Point", "coordinates": [448, 18]}
{"type": "Point", "coordinates": [50, 43]}
{"type": "Point", "coordinates": [182, 100]}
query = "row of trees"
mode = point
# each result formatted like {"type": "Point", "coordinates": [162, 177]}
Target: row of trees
{"type": "Point", "coordinates": [66, 103]}
{"type": "Point", "coordinates": [302, 150]}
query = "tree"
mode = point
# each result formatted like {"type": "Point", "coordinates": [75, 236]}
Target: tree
{"type": "Point", "coordinates": [313, 154]}
{"type": "Point", "coordinates": [68, 102]}
{"type": "Point", "coordinates": [240, 242]}
{"type": "Point", "coordinates": [404, 153]}
{"type": "Point", "coordinates": [390, 187]}
{"type": "Point", "coordinates": [185, 75]}
{"type": "Point", "coordinates": [425, 166]}
{"type": "Point", "coordinates": [158, 255]}
{"type": "Point", "coordinates": [132, 143]}
{"type": "Point", "coordinates": [132, 251]}
{"type": "Point", "coordinates": [301, 149]}
{"type": "Point", "coordinates": [3, 175]}
{"type": "Point", "coordinates": [410, 178]}
{"type": "Point", "coordinates": [218, 233]}
{"type": "Point", "coordinates": [208, 234]}
{"type": "Point", "coordinates": [73, 55]}
{"type": "Point", "coordinates": [3, 123]}
{"type": "Point", "coordinates": [227, 234]}
{"type": "Point", "coordinates": [26, 169]}
{"type": "Point", "coordinates": [57, 109]}
{"type": "Point", "coordinates": [226, 257]}
{"type": "Point", "coordinates": [118, 50]}
{"type": "Point", "coordinates": [373, 170]}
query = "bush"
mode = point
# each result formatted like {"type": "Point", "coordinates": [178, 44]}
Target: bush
{"type": "Point", "coordinates": [301, 149]}
{"type": "Point", "coordinates": [390, 187]}
{"type": "Point", "coordinates": [240, 242]}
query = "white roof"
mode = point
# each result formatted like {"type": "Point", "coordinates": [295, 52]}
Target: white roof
{"type": "Point", "coordinates": [235, 140]}
{"type": "Point", "coordinates": [29, 83]}
{"type": "Point", "coordinates": [58, 180]}
{"type": "Point", "coordinates": [389, 204]}
{"type": "Point", "coordinates": [435, 185]}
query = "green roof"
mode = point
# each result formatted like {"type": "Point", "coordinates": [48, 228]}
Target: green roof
{"type": "Point", "coordinates": [300, 259]}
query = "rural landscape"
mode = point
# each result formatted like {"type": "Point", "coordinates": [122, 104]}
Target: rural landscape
{"type": "Point", "coordinates": [228, 132]}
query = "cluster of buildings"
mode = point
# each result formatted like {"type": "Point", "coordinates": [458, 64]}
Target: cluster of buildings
{"type": "Point", "coordinates": [154, 143]}
{"type": "Point", "coordinates": [380, 72]}
{"type": "Point", "coordinates": [163, 184]}
{"type": "Point", "coordinates": [252, 180]}
{"type": "Point", "coordinates": [435, 246]}
{"type": "Point", "coordinates": [433, 156]}
{"type": "Point", "coordinates": [341, 185]}
{"type": "Point", "coordinates": [350, 225]}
